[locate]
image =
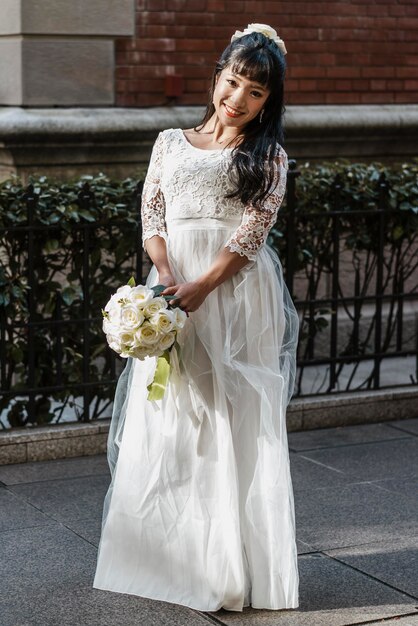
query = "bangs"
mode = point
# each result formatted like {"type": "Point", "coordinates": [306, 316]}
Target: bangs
{"type": "Point", "coordinates": [254, 65]}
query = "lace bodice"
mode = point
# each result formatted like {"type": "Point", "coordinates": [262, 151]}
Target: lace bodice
{"type": "Point", "coordinates": [187, 182]}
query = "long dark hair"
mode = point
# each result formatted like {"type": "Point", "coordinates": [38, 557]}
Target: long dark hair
{"type": "Point", "coordinates": [257, 58]}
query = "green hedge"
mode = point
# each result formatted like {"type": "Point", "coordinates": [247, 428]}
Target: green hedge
{"type": "Point", "coordinates": [58, 262]}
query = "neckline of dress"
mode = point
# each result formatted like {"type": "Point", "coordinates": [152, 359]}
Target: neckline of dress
{"type": "Point", "coordinates": [201, 149]}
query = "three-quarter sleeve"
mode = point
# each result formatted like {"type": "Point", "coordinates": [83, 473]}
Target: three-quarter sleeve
{"type": "Point", "coordinates": [152, 202]}
{"type": "Point", "coordinates": [256, 223]}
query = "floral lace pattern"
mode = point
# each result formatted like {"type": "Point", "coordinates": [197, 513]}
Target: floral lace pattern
{"type": "Point", "coordinates": [186, 182]}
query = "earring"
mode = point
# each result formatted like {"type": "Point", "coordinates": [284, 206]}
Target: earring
{"type": "Point", "coordinates": [261, 115]}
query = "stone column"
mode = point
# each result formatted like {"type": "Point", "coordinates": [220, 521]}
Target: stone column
{"type": "Point", "coordinates": [60, 52]}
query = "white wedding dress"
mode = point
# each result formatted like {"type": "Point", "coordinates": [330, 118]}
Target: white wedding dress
{"type": "Point", "coordinates": [200, 508]}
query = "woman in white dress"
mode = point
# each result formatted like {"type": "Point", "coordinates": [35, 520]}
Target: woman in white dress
{"type": "Point", "coordinates": [200, 508]}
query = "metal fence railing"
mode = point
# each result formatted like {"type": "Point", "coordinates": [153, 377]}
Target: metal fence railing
{"type": "Point", "coordinates": [327, 347]}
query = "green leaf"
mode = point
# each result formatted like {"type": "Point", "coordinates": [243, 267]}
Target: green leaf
{"type": "Point", "coordinates": [87, 215]}
{"type": "Point", "coordinates": [157, 289]}
{"type": "Point", "coordinates": [51, 246]}
{"type": "Point", "coordinates": [131, 281]}
{"type": "Point", "coordinates": [69, 294]}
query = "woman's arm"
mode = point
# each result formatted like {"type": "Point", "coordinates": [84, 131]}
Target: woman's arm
{"type": "Point", "coordinates": [154, 231]}
{"type": "Point", "coordinates": [156, 249]}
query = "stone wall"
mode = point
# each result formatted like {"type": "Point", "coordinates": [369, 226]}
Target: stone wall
{"type": "Point", "coordinates": [64, 143]}
{"type": "Point", "coordinates": [55, 52]}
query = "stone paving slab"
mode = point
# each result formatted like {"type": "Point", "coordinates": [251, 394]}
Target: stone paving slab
{"type": "Point", "coordinates": [412, 620]}
{"type": "Point", "coordinates": [308, 474]}
{"type": "Point", "coordinates": [353, 501]}
{"type": "Point", "coordinates": [16, 513]}
{"type": "Point", "coordinates": [342, 435]}
{"type": "Point", "coordinates": [66, 499]}
{"type": "Point", "coordinates": [371, 461]}
{"type": "Point", "coordinates": [409, 426]}
{"type": "Point", "coordinates": [394, 562]}
{"type": "Point", "coordinates": [48, 470]}
{"type": "Point", "coordinates": [331, 594]}
{"type": "Point", "coordinates": [47, 577]}
{"type": "Point", "coordinates": [352, 515]}
{"type": "Point", "coordinates": [89, 528]}
{"type": "Point", "coordinates": [408, 486]}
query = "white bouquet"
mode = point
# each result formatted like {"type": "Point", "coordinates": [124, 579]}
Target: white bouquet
{"type": "Point", "coordinates": [140, 323]}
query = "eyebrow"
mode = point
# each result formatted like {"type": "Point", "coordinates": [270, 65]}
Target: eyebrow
{"type": "Point", "coordinates": [257, 85]}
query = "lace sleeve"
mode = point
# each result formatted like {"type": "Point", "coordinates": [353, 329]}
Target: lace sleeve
{"type": "Point", "coordinates": [152, 202]}
{"type": "Point", "coordinates": [256, 223]}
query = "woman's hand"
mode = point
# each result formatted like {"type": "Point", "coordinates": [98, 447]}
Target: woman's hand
{"type": "Point", "coordinates": [189, 295]}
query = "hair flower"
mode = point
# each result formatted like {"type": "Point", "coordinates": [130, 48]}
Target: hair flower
{"type": "Point", "coordinates": [266, 30]}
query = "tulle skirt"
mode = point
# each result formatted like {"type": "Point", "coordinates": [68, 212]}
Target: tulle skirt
{"type": "Point", "coordinates": [200, 509]}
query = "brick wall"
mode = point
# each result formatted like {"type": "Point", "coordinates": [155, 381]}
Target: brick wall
{"type": "Point", "coordinates": [339, 52]}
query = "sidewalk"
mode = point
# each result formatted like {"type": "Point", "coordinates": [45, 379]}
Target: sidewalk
{"type": "Point", "coordinates": [357, 528]}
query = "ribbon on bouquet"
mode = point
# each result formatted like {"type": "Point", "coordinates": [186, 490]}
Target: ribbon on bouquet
{"type": "Point", "coordinates": [182, 398]}
{"type": "Point", "coordinates": [158, 386]}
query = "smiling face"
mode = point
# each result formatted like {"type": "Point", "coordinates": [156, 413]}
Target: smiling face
{"type": "Point", "coordinates": [237, 99]}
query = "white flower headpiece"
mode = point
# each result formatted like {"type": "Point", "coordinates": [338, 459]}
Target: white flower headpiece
{"type": "Point", "coordinates": [266, 30]}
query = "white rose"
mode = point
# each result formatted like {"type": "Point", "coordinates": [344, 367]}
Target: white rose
{"type": "Point", "coordinates": [163, 321]}
{"type": "Point", "coordinates": [157, 352]}
{"type": "Point", "coordinates": [109, 328]}
{"type": "Point", "coordinates": [130, 317]}
{"type": "Point", "coordinates": [147, 335]}
{"type": "Point", "coordinates": [113, 309]}
{"type": "Point", "coordinates": [141, 295]}
{"type": "Point", "coordinates": [266, 30]}
{"type": "Point", "coordinates": [127, 339]}
{"type": "Point", "coordinates": [155, 305]}
{"type": "Point", "coordinates": [180, 317]}
{"type": "Point", "coordinates": [122, 292]}
{"type": "Point", "coordinates": [114, 342]}
{"type": "Point", "coordinates": [127, 343]}
{"type": "Point", "coordinates": [167, 340]}
{"type": "Point", "coordinates": [140, 352]}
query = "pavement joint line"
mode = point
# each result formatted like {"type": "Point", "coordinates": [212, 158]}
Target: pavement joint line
{"type": "Point", "coordinates": [334, 469]}
{"type": "Point", "coordinates": [209, 618]}
{"type": "Point", "coordinates": [382, 582]}
{"type": "Point", "coordinates": [367, 543]}
{"type": "Point", "coordinates": [78, 535]}
{"type": "Point", "coordinates": [26, 501]}
{"type": "Point", "coordinates": [392, 618]}
{"type": "Point", "coordinates": [352, 483]}
{"type": "Point", "coordinates": [16, 530]}
{"type": "Point", "coordinates": [349, 445]}
{"type": "Point", "coordinates": [403, 495]}
{"type": "Point", "coordinates": [52, 480]}
{"type": "Point", "coordinates": [404, 430]}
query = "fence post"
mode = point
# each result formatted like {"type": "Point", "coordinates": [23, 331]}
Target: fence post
{"type": "Point", "coordinates": [336, 201]}
{"type": "Point", "coordinates": [140, 252]}
{"type": "Point", "coordinates": [31, 200]}
{"type": "Point", "coordinates": [293, 173]}
{"type": "Point", "coordinates": [86, 199]}
{"type": "Point", "coordinates": [382, 203]}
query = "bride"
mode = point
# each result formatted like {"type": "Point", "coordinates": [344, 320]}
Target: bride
{"type": "Point", "coordinates": [200, 508]}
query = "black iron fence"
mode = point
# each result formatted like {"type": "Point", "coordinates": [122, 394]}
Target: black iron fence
{"type": "Point", "coordinates": [378, 281]}
{"type": "Point", "coordinates": [373, 298]}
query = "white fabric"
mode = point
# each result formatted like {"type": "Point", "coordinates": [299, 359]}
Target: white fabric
{"type": "Point", "coordinates": [200, 508]}
{"type": "Point", "coordinates": [187, 182]}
